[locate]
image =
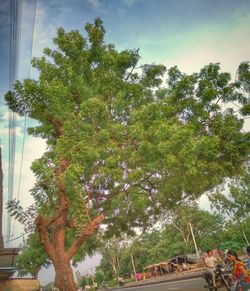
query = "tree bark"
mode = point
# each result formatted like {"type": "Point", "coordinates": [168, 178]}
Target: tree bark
{"type": "Point", "coordinates": [52, 231]}
{"type": "Point", "coordinates": [54, 246]}
{"type": "Point", "coordinates": [64, 279]}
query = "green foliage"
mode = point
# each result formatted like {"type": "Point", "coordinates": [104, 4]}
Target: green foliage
{"type": "Point", "coordinates": [24, 216]}
{"type": "Point", "coordinates": [106, 268]}
{"type": "Point", "coordinates": [48, 287]}
{"type": "Point", "coordinates": [232, 236]}
{"type": "Point", "coordinates": [85, 280]}
{"type": "Point", "coordinates": [99, 277]}
{"type": "Point", "coordinates": [160, 245]}
{"type": "Point", "coordinates": [206, 225]}
{"type": "Point", "coordinates": [32, 257]}
{"type": "Point", "coordinates": [244, 82]}
{"type": "Point", "coordinates": [236, 203]}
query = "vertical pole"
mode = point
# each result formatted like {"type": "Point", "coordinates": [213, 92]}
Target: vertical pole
{"type": "Point", "coordinates": [245, 237]}
{"type": "Point", "coordinates": [195, 245]}
{"type": "Point", "coordinates": [132, 260]}
{"type": "Point", "coordinates": [118, 263]}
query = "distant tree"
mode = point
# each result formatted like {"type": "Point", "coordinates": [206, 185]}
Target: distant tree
{"type": "Point", "coordinates": [85, 281]}
{"type": "Point", "coordinates": [120, 146]}
{"type": "Point", "coordinates": [112, 252]}
{"type": "Point", "coordinates": [99, 277]}
{"type": "Point", "coordinates": [106, 268]}
{"type": "Point", "coordinates": [48, 287]}
{"type": "Point", "coordinates": [244, 85]}
{"type": "Point", "coordinates": [235, 205]}
{"type": "Point", "coordinates": [116, 257]}
{"type": "Point", "coordinates": [231, 237]}
{"type": "Point", "coordinates": [136, 250]}
{"type": "Point", "coordinates": [173, 239]}
{"type": "Point", "coordinates": [205, 224]}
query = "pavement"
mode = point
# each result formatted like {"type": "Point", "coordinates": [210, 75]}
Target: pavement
{"type": "Point", "coordinates": [194, 284]}
{"type": "Point", "coordinates": [196, 273]}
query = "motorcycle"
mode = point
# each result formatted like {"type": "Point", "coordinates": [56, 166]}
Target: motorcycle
{"type": "Point", "coordinates": [222, 279]}
{"type": "Point", "coordinates": [121, 281]}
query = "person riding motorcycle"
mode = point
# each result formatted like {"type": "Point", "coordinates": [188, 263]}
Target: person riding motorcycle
{"type": "Point", "coordinates": [210, 263]}
{"type": "Point", "coordinates": [240, 272]}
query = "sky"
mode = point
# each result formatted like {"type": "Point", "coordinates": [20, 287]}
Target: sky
{"type": "Point", "coordinates": [186, 33]}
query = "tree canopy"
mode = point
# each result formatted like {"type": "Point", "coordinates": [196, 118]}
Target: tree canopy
{"type": "Point", "coordinates": [122, 144]}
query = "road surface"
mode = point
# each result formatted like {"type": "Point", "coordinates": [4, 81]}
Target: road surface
{"type": "Point", "coordinates": [194, 284]}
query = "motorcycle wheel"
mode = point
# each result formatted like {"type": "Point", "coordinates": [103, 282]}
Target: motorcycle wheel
{"type": "Point", "coordinates": [226, 284]}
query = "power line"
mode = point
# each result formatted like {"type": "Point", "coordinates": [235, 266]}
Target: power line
{"type": "Point", "coordinates": [10, 240]}
{"type": "Point", "coordinates": [15, 17]}
{"type": "Point", "coordinates": [25, 118]}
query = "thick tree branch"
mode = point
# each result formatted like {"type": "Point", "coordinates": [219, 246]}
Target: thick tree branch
{"type": "Point", "coordinates": [185, 237]}
{"type": "Point", "coordinates": [130, 73]}
{"type": "Point", "coordinates": [71, 224]}
{"type": "Point", "coordinates": [57, 126]}
{"type": "Point", "coordinates": [87, 231]}
{"type": "Point", "coordinates": [42, 226]}
{"type": "Point", "coordinates": [62, 211]}
{"type": "Point", "coordinates": [40, 220]}
{"type": "Point", "coordinates": [58, 172]}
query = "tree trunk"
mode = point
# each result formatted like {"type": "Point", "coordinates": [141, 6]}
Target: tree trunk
{"type": "Point", "coordinates": [245, 237]}
{"type": "Point", "coordinates": [55, 245]}
{"type": "Point", "coordinates": [52, 231]}
{"type": "Point", "coordinates": [64, 279]}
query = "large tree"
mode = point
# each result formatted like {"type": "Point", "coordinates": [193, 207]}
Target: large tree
{"type": "Point", "coordinates": [121, 145]}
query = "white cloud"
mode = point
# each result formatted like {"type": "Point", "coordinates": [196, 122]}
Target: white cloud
{"type": "Point", "coordinates": [5, 115]}
{"type": "Point", "coordinates": [4, 131]}
{"type": "Point", "coordinates": [228, 47]}
{"type": "Point", "coordinates": [204, 202]}
{"type": "Point", "coordinates": [28, 17]}
{"type": "Point", "coordinates": [33, 149]}
{"type": "Point", "coordinates": [95, 3]}
{"type": "Point", "coordinates": [130, 3]}
{"type": "Point", "coordinates": [43, 34]}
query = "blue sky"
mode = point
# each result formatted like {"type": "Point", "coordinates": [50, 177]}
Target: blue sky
{"type": "Point", "coordinates": [187, 33]}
